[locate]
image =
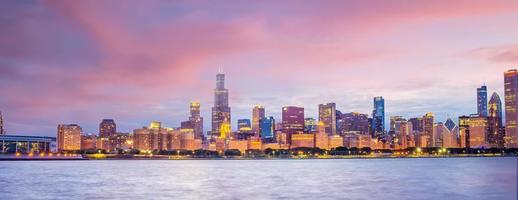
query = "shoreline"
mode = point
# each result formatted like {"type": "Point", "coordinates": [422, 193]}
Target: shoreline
{"type": "Point", "coordinates": [81, 158]}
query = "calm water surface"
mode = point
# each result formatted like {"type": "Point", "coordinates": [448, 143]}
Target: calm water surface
{"type": "Point", "coordinates": [451, 178]}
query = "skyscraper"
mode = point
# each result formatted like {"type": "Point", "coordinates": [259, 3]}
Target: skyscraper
{"type": "Point", "coordinates": [244, 125]}
{"type": "Point", "coordinates": [69, 137]}
{"type": "Point", "coordinates": [378, 116]}
{"type": "Point", "coordinates": [511, 107]}
{"type": "Point", "coordinates": [257, 115]}
{"type": "Point", "coordinates": [196, 119]}
{"type": "Point", "coordinates": [393, 120]}
{"type": "Point", "coordinates": [221, 110]}
{"type": "Point", "coordinates": [327, 115]}
{"type": "Point", "coordinates": [355, 122]}
{"type": "Point", "coordinates": [401, 131]}
{"type": "Point", "coordinates": [2, 131]}
{"type": "Point", "coordinates": [428, 122]}
{"type": "Point", "coordinates": [310, 125]}
{"type": "Point", "coordinates": [267, 128]}
{"type": "Point", "coordinates": [292, 121]}
{"type": "Point", "coordinates": [107, 128]}
{"type": "Point", "coordinates": [494, 120]}
{"type": "Point", "coordinates": [450, 124]}
{"type": "Point", "coordinates": [482, 101]}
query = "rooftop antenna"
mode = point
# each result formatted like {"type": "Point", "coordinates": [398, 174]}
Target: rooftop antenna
{"type": "Point", "coordinates": [220, 71]}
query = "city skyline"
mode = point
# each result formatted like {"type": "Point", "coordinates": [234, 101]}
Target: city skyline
{"type": "Point", "coordinates": [91, 64]}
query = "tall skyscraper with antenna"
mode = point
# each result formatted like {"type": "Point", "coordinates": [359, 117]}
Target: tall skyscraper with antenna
{"type": "Point", "coordinates": [221, 110]}
{"type": "Point", "coordinates": [482, 101]}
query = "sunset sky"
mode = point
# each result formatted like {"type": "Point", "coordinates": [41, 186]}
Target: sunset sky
{"type": "Point", "coordinates": [137, 61]}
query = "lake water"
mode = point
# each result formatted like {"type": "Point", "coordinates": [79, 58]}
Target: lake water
{"type": "Point", "coordinates": [441, 178]}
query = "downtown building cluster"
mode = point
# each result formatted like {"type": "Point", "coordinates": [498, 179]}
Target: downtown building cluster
{"type": "Point", "coordinates": [332, 128]}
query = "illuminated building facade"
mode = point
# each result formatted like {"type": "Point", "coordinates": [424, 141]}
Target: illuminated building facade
{"type": "Point", "coordinates": [292, 121]}
{"type": "Point", "coordinates": [154, 137]}
{"type": "Point", "coordinates": [327, 115]}
{"type": "Point", "coordinates": [196, 120]}
{"type": "Point", "coordinates": [417, 124]}
{"type": "Point", "coordinates": [482, 101]}
{"type": "Point", "coordinates": [221, 110]}
{"type": "Point", "coordinates": [511, 107]}
{"type": "Point", "coordinates": [310, 125]}
{"type": "Point", "coordinates": [335, 141]}
{"type": "Point", "coordinates": [496, 132]}
{"type": "Point", "coordinates": [267, 128]}
{"type": "Point", "coordinates": [401, 130]}
{"type": "Point", "coordinates": [355, 122]}
{"type": "Point", "coordinates": [107, 128]}
{"type": "Point", "coordinates": [258, 113]}
{"type": "Point", "coordinates": [393, 120]}
{"type": "Point", "coordinates": [450, 124]}
{"type": "Point", "coordinates": [477, 131]}
{"type": "Point", "coordinates": [302, 140]}
{"type": "Point", "coordinates": [26, 144]}
{"type": "Point", "coordinates": [88, 142]}
{"type": "Point", "coordinates": [439, 131]}
{"type": "Point", "coordinates": [464, 132]}
{"type": "Point", "coordinates": [244, 125]}
{"type": "Point", "coordinates": [321, 137]}
{"type": "Point", "coordinates": [378, 116]}
{"type": "Point", "coordinates": [69, 137]}
{"type": "Point", "coordinates": [428, 122]}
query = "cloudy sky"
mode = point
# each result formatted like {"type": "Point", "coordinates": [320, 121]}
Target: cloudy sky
{"type": "Point", "coordinates": [137, 61]}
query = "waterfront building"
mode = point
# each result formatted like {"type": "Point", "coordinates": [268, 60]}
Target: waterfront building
{"type": "Point", "coordinates": [310, 125]}
{"type": "Point", "coordinates": [267, 128]}
{"type": "Point", "coordinates": [69, 137]}
{"type": "Point", "coordinates": [321, 137]}
{"type": "Point", "coordinates": [221, 111]}
{"type": "Point", "coordinates": [495, 135]}
{"type": "Point", "coordinates": [258, 113]}
{"type": "Point", "coordinates": [255, 143]}
{"type": "Point", "coordinates": [378, 116]}
{"type": "Point", "coordinates": [88, 142]}
{"type": "Point", "coordinates": [187, 141]}
{"type": "Point", "coordinates": [511, 107]}
{"type": "Point", "coordinates": [335, 141]}
{"type": "Point", "coordinates": [302, 140]}
{"type": "Point", "coordinates": [154, 137]}
{"type": "Point", "coordinates": [482, 101]}
{"type": "Point", "coordinates": [273, 146]}
{"type": "Point", "coordinates": [478, 131]}
{"type": "Point", "coordinates": [196, 120]}
{"type": "Point", "coordinates": [355, 121]}
{"type": "Point", "coordinates": [142, 139]}
{"type": "Point", "coordinates": [107, 128]}
{"type": "Point", "coordinates": [355, 139]}
{"type": "Point", "coordinates": [241, 145]}
{"type": "Point", "coordinates": [327, 115]}
{"type": "Point", "coordinates": [292, 121]}
{"type": "Point", "coordinates": [27, 144]}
